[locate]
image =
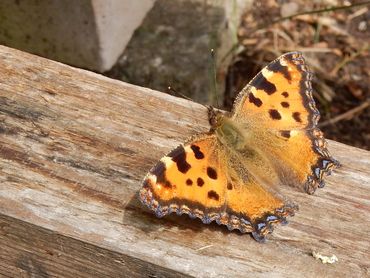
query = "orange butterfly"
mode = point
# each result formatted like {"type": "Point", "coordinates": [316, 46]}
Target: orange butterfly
{"type": "Point", "coordinates": [232, 174]}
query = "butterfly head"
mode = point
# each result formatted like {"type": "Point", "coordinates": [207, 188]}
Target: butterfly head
{"type": "Point", "coordinates": [214, 117]}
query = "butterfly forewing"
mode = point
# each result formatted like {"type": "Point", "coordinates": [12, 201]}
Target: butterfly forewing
{"type": "Point", "coordinates": [278, 109]}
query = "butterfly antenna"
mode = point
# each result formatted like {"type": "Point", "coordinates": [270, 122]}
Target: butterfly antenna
{"type": "Point", "coordinates": [174, 92]}
{"type": "Point", "coordinates": [214, 77]}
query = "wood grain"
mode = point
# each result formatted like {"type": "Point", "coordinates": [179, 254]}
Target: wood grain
{"type": "Point", "coordinates": [74, 148]}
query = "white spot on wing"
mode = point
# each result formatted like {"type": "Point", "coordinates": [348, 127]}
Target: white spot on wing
{"type": "Point", "coordinates": [152, 178]}
{"type": "Point", "coordinates": [167, 161]}
{"type": "Point", "coordinates": [267, 73]}
{"type": "Point", "coordinates": [283, 62]}
{"type": "Point", "coordinates": [188, 149]}
{"type": "Point", "coordinates": [293, 133]}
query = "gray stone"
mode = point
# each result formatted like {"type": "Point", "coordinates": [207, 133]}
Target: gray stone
{"type": "Point", "coordinates": [172, 47]}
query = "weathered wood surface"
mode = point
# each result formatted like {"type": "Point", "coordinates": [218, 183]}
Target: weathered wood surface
{"type": "Point", "coordinates": [74, 148]}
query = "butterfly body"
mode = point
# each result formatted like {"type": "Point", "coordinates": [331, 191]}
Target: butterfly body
{"type": "Point", "coordinates": [232, 174]}
{"type": "Point", "coordinates": [231, 134]}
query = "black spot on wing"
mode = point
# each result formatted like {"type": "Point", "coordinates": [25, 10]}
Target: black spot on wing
{"type": "Point", "coordinates": [285, 133]}
{"type": "Point", "coordinates": [297, 117]}
{"type": "Point", "coordinates": [274, 114]}
{"type": "Point", "coordinates": [200, 182]}
{"type": "Point", "coordinates": [255, 100]}
{"type": "Point", "coordinates": [160, 172]}
{"type": "Point", "coordinates": [197, 152]}
{"type": "Point", "coordinates": [285, 104]}
{"type": "Point", "coordinates": [285, 94]}
{"type": "Point", "coordinates": [213, 195]}
{"type": "Point", "coordinates": [211, 172]}
{"type": "Point", "coordinates": [178, 156]}
{"type": "Point", "coordinates": [229, 186]}
{"type": "Point", "coordinates": [277, 67]}
{"type": "Point", "coordinates": [261, 83]}
{"type": "Point", "coordinates": [189, 182]}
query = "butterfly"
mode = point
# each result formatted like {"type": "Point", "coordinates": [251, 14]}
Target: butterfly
{"type": "Point", "coordinates": [233, 173]}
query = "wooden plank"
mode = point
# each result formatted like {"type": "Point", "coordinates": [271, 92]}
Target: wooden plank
{"type": "Point", "coordinates": [28, 250]}
{"type": "Point", "coordinates": [74, 148]}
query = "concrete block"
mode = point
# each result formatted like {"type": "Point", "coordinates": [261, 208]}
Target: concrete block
{"type": "Point", "coordinates": [172, 47]}
{"type": "Point", "coordinates": [90, 34]}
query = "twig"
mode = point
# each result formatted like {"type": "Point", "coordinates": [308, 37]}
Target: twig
{"type": "Point", "coordinates": [230, 52]}
{"type": "Point", "coordinates": [358, 13]}
{"type": "Point", "coordinates": [304, 49]}
{"type": "Point", "coordinates": [328, 9]}
{"type": "Point", "coordinates": [350, 113]}
{"type": "Point", "coordinates": [214, 78]}
{"type": "Point", "coordinates": [348, 59]}
{"type": "Point", "coordinates": [204, 247]}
